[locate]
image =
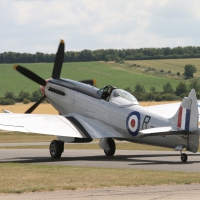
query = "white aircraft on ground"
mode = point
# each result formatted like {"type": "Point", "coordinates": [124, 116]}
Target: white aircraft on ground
{"type": "Point", "coordinates": [87, 113]}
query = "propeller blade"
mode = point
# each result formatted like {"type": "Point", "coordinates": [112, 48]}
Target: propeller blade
{"type": "Point", "coordinates": [35, 105]}
{"type": "Point", "coordinates": [90, 82]}
{"type": "Point", "coordinates": [58, 60]}
{"type": "Point", "coordinates": [29, 74]}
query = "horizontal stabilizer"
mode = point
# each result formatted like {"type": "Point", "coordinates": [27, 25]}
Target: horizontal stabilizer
{"type": "Point", "coordinates": [161, 131]}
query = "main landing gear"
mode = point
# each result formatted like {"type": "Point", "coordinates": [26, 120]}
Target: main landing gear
{"type": "Point", "coordinates": [108, 145]}
{"type": "Point", "coordinates": [56, 148]}
{"type": "Point", "coordinates": [111, 144]}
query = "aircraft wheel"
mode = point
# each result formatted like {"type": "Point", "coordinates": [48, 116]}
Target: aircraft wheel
{"type": "Point", "coordinates": [56, 148]}
{"type": "Point", "coordinates": [184, 157]}
{"type": "Point", "coordinates": [111, 144]}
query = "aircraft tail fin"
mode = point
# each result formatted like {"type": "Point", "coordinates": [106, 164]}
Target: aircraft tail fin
{"type": "Point", "coordinates": [186, 118]}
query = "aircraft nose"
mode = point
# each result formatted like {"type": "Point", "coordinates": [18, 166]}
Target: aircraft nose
{"type": "Point", "coordinates": [42, 87]}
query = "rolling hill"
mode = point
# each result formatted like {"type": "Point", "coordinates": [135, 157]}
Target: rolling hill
{"type": "Point", "coordinates": [106, 73]}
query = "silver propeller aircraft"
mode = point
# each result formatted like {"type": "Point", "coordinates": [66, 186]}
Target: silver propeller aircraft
{"type": "Point", "coordinates": [88, 113]}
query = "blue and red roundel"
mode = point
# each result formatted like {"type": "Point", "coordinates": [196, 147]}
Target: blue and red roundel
{"type": "Point", "coordinates": [133, 123]}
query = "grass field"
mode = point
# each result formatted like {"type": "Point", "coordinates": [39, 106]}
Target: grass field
{"type": "Point", "coordinates": [44, 108]}
{"type": "Point", "coordinates": [32, 178]}
{"type": "Point", "coordinates": [104, 73]}
{"type": "Point", "coordinates": [174, 65]}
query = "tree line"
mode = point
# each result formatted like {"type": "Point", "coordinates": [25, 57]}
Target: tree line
{"type": "Point", "coordinates": [139, 91]}
{"type": "Point", "coordinates": [117, 55]}
{"type": "Point", "coordinates": [25, 97]}
{"type": "Point", "coordinates": [168, 93]}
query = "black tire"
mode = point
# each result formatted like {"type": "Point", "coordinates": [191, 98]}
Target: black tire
{"type": "Point", "coordinates": [111, 144]}
{"type": "Point", "coordinates": [184, 157]}
{"type": "Point", "coordinates": [56, 148]}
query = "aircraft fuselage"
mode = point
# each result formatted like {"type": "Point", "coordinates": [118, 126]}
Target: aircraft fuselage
{"type": "Point", "coordinates": [69, 96]}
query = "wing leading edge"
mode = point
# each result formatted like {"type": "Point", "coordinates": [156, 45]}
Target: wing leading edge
{"type": "Point", "coordinates": [41, 124]}
{"type": "Point", "coordinates": [73, 125]}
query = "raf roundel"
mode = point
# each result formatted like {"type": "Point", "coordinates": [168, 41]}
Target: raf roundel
{"type": "Point", "coordinates": [133, 123]}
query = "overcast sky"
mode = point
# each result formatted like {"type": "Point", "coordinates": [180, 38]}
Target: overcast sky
{"type": "Point", "coordinates": [38, 25]}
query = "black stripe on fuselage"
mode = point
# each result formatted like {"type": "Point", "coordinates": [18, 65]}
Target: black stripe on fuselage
{"type": "Point", "coordinates": [77, 86]}
{"type": "Point", "coordinates": [79, 127]}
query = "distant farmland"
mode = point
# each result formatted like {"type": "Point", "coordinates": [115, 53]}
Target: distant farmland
{"type": "Point", "coordinates": [104, 73]}
{"type": "Point", "coordinates": [173, 65]}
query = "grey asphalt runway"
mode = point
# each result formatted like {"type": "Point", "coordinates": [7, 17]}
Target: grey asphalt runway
{"type": "Point", "coordinates": [148, 160]}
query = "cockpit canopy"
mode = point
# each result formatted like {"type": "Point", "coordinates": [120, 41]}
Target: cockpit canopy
{"type": "Point", "coordinates": [122, 97]}
{"type": "Point", "coordinates": [116, 96]}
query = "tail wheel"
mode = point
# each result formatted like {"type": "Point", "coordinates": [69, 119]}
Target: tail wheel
{"type": "Point", "coordinates": [111, 144]}
{"type": "Point", "coordinates": [184, 157]}
{"type": "Point", "coordinates": [56, 148]}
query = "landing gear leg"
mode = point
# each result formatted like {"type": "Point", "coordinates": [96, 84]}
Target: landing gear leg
{"type": "Point", "coordinates": [56, 148]}
{"type": "Point", "coordinates": [183, 157]}
{"type": "Point", "coordinates": [111, 144]}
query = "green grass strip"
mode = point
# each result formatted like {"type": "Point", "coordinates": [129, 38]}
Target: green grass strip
{"type": "Point", "coordinates": [20, 178]}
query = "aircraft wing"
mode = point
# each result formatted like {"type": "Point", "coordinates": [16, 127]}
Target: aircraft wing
{"type": "Point", "coordinates": [36, 123]}
{"type": "Point", "coordinates": [73, 126]}
{"type": "Point", "coordinates": [93, 128]}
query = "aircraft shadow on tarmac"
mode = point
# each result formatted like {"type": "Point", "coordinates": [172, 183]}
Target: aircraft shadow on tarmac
{"type": "Point", "coordinates": [127, 159]}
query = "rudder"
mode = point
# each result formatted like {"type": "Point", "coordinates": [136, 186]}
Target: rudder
{"type": "Point", "coordinates": [186, 118]}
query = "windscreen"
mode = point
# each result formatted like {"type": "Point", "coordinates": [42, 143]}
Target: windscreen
{"type": "Point", "coordinates": [118, 93]}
